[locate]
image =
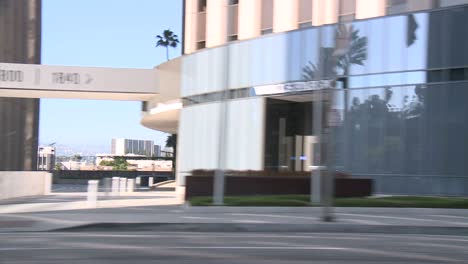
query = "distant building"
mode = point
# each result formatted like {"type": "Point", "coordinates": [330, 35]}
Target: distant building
{"type": "Point", "coordinates": [157, 151]}
{"type": "Point", "coordinates": [123, 146]}
{"type": "Point", "coordinates": [74, 165]}
{"type": "Point", "coordinates": [46, 158]}
{"type": "Point", "coordinates": [136, 162]}
{"type": "Point", "coordinates": [110, 157]}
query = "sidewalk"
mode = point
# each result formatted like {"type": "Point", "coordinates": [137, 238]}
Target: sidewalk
{"type": "Point", "coordinates": [78, 201]}
{"type": "Point", "coordinates": [245, 219]}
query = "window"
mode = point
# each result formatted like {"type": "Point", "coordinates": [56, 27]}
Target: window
{"type": "Point", "coordinates": [201, 45]}
{"type": "Point", "coordinates": [404, 6]}
{"type": "Point", "coordinates": [233, 2]}
{"type": "Point", "coordinates": [144, 106]}
{"type": "Point", "coordinates": [347, 10]}
{"type": "Point", "coordinates": [305, 13]}
{"type": "Point", "coordinates": [396, 6]}
{"type": "Point", "coordinates": [267, 31]}
{"type": "Point", "coordinates": [201, 5]}
{"type": "Point", "coordinates": [267, 15]}
{"type": "Point", "coordinates": [232, 38]}
{"type": "Point", "coordinates": [457, 74]}
{"type": "Point", "coordinates": [305, 24]}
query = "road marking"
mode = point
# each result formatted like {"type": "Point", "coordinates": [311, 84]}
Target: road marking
{"type": "Point", "coordinates": [200, 217]}
{"type": "Point", "coordinates": [400, 254]}
{"type": "Point", "coordinates": [251, 221]}
{"type": "Point", "coordinates": [365, 222]}
{"type": "Point", "coordinates": [278, 216]}
{"type": "Point", "coordinates": [390, 217]}
{"type": "Point", "coordinates": [452, 216]}
{"type": "Point", "coordinates": [116, 246]}
{"type": "Point", "coordinates": [407, 218]}
{"type": "Point", "coordinates": [237, 235]}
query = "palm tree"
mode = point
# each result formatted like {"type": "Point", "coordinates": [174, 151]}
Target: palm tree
{"type": "Point", "coordinates": [331, 60]}
{"type": "Point", "coordinates": [168, 39]}
{"type": "Point", "coordinates": [356, 50]}
{"type": "Point", "coordinates": [171, 142]}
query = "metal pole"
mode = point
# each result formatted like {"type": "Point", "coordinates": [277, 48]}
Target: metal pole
{"type": "Point", "coordinates": [219, 175]}
{"type": "Point", "coordinates": [316, 174]}
{"type": "Point", "coordinates": [328, 160]}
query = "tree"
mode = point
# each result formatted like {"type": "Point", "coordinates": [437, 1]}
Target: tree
{"type": "Point", "coordinates": [77, 157]}
{"type": "Point", "coordinates": [106, 163]}
{"type": "Point", "coordinates": [168, 39]}
{"type": "Point", "coordinates": [171, 142]}
{"type": "Point", "coordinates": [120, 164]}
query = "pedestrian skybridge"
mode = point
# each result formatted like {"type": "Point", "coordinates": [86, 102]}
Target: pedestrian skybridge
{"type": "Point", "coordinates": [43, 81]}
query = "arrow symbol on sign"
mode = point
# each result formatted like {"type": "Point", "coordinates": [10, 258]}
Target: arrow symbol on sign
{"type": "Point", "coordinates": [89, 79]}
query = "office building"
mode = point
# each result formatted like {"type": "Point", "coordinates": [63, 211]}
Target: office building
{"type": "Point", "coordinates": [157, 151]}
{"type": "Point", "coordinates": [46, 158]}
{"type": "Point", "coordinates": [123, 146]}
{"type": "Point", "coordinates": [20, 42]}
{"type": "Point", "coordinates": [256, 74]}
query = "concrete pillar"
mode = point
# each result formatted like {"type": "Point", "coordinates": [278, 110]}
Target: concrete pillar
{"type": "Point", "coordinates": [107, 186]}
{"type": "Point", "coordinates": [216, 19]}
{"type": "Point", "coordinates": [285, 15]}
{"type": "Point", "coordinates": [115, 186]}
{"type": "Point", "coordinates": [250, 19]}
{"type": "Point", "coordinates": [370, 8]}
{"type": "Point", "coordinates": [190, 34]}
{"type": "Point", "coordinates": [138, 182]}
{"type": "Point", "coordinates": [130, 185]}
{"type": "Point", "coordinates": [123, 185]}
{"type": "Point", "coordinates": [92, 193]}
{"type": "Point", "coordinates": [324, 12]}
{"type": "Point", "coordinates": [150, 181]}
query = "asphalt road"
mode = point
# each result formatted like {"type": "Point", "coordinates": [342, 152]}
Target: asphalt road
{"type": "Point", "coordinates": [225, 248]}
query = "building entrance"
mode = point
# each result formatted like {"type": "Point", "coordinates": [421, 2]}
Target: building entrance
{"type": "Point", "coordinates": [290, 142]}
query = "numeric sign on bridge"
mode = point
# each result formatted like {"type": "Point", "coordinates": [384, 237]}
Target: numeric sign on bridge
{"type": "Point", "coordinates": [44, 78]}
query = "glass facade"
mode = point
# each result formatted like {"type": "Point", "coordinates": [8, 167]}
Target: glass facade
{"type": "Point", "coordinates": [397, 110]}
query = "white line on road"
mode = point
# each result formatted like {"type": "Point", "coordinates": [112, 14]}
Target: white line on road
{"type": "Point", "coordinates": [406, 218]}
{"type": "Point", "coordinates": [110, 246]}
{"type": "Point", "coordinates": [365, 222]}
{"type": "Point", "coordinates": [251, 221]}
{"type": "Point", "coordinates": [237, 235]}
{"type": "Point", "coordinates": [452, 216]}
{"type": "Point", "coordinates": [278, 216]}
{"type": "Point", "coordinates": [200, 217]}
{"type": "Point", "coordinates": [389, 217]}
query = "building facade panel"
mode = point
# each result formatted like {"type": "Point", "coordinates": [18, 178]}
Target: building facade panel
{"type": "Point", "coordinates": [199, 136]}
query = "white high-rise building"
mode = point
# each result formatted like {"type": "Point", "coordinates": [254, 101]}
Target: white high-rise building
{"type": "Point", "coordinates": [123, 146]}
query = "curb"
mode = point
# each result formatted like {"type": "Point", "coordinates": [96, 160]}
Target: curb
{"type": "Point", "coordinates": [258, 228]}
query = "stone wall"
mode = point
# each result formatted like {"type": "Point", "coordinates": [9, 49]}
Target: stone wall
{"type": "Point", "coordinates": [24, 183]}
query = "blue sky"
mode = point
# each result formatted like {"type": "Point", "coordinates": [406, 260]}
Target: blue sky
{"type": "Point", "coordinates": [102, 33]}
